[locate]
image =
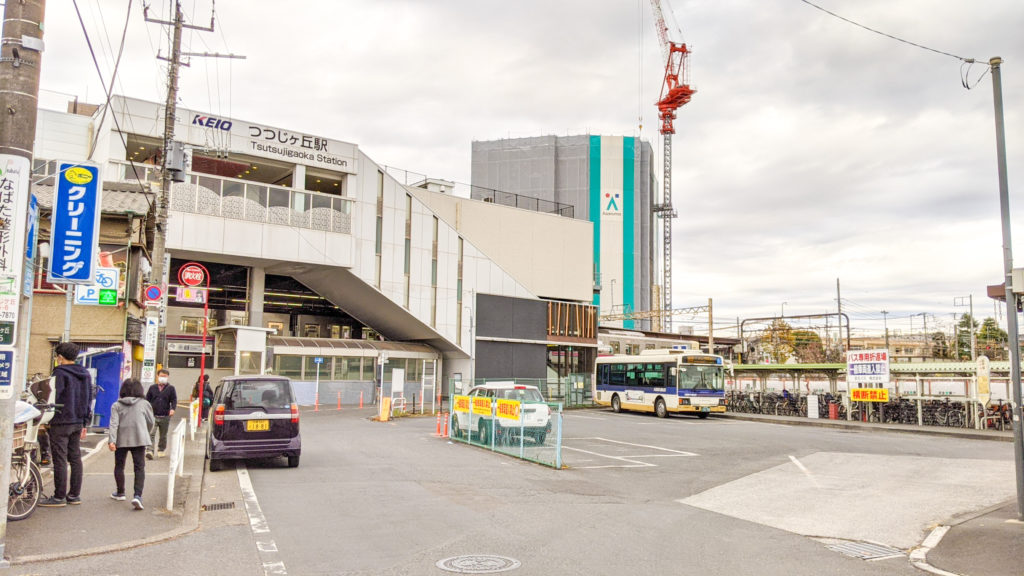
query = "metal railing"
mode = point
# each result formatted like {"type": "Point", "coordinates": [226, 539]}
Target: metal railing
{"type": "Point", "coordinates": [245, 200]}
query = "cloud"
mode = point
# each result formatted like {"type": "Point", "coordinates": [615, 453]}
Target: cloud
{"type": "Point", "coordinates": [813, 149]}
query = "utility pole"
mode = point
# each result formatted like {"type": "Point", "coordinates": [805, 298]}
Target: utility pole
{"type": "Point", "coordinates": [20, 60]}
{"type": "Point", "coordinates": [885, 322]}
{"type": "Point", "coordinates": [839, 313]}
{"type": "Point", "coordinates": [1011, 297]}
{"type": "Point", "coordinates": [173, 166]}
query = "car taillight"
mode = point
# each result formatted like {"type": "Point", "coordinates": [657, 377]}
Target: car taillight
{"type": "Point", "coordinates": [295, 413]}
{"type": "Point", "coordinates": [218, 415]}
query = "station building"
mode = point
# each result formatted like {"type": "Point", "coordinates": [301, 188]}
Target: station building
{"type": "Point", "coordinates": [309, 240]}
{"type": "Point", "coordinates": [606, 180]}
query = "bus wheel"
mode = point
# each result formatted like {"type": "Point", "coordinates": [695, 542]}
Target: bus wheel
{"type": "Point", "coordinates": [616, 404]}
{"type": "Point", "coordinates": [659, 408]}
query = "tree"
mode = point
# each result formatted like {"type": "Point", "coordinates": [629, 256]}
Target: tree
{"type": "Point", "coordinates": [963, 336]}
{"type": "Point", "coordinates": [808, 347]}
{"type": "Point", "coordinates": [992, 340]}
{"type": "Point", "coordinates": [778, 341]}
{"type": "Point", "coordinates": [940, 346]}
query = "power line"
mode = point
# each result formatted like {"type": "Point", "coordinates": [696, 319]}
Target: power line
{"type": "Point", "coordinates": [896, 38]}
{"type": "Point", "coordinates": [99, 72]}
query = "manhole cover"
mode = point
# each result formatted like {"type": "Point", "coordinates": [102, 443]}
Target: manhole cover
{"type": "Point", "coordinates": [478, 564]}
{"type": "Point", "coordinates": [864, 550]}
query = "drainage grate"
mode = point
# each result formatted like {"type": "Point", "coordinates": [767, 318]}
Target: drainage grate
{"type": "Point", "coordinates": [219, 506]}
{"type": "Point", "coordinates": [864, 550]}
{"type": "Point", "coordinates": [478, 564]}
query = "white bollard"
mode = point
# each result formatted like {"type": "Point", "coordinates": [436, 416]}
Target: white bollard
{"type": "Point", "coordinates": [176, 460]}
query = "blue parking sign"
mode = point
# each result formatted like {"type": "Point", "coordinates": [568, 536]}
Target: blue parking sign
{"type": "Point", "coordinates": [75, 224]}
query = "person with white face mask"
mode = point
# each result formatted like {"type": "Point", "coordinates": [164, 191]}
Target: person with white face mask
{"type": "Point", "coordinates": [164, 399]}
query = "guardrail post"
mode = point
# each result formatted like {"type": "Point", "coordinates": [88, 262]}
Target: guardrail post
{"type": "Point", "coordinates": [558, 441]}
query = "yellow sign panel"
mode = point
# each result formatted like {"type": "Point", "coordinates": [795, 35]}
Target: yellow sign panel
{"type": "Point", "coordinates": [482, 406]}
{"type": "Point", "coordinates": [508, 409]}
{"type": "Point", "coordinates": [385, 409]}
{"type": "Point", "coordinates": [461, 404]}
{"type": "Point", "coordinates": [869, 395]}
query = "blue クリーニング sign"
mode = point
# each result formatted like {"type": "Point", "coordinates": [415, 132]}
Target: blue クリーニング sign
{"type": "Point", "coordinates": [75, 224]}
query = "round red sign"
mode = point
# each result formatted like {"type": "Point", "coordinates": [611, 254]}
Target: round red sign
{"type": "Point", "coordinates": [191, 275]}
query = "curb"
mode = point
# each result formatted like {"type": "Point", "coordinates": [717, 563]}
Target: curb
{"type": "Point", "coordinates": [190, 517]}
{"type": "Point", "coordinates": [918, 556]}
{"type": "Point", "coordinates": [964, 433]}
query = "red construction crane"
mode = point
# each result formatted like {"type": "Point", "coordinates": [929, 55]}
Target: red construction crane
{"type": "Point", "coordinates": [675, 92]}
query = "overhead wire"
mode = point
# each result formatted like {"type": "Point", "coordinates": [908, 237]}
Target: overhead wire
{"type": "Point", "coordinates": [887, 35]}
{"type": "Point", "coordinates": [92, 52]}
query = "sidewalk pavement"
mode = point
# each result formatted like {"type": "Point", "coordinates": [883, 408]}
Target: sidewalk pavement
{"type": "Point", "coordinates": [988, 543]}
{"type": "Point", "coordinates": [101, 524]}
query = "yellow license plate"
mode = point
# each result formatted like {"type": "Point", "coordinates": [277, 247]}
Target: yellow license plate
{"type": "Point", "coordinates": [257, 425]}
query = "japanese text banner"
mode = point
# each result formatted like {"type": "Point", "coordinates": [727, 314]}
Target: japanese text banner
{"type": "Point", "coordinates": [75, 224]}
{"type": "Point", "coordinates": [508, 409]}
{"type": "Point", "coordinates": [482, 406]}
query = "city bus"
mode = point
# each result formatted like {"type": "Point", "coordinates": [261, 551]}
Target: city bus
{"type": "Point", "coordinates": [662, 381]}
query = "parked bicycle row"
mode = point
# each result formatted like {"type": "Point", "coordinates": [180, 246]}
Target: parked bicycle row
{"type": "Point", "coordinates": [899, 410]}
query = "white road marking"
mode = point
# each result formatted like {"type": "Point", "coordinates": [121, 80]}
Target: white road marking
{"type": "Point", "coordinates": [632, 460]}
{"type": "Point", "coordinates": [918, 556]}
{"type": "Point", "coordinates": [265, 545]}
{"type": "Point", "coordinates": [679, 452]}
{"type": "Point", "coordinates": [633, 463]}
{"type": "Point", "coordinates": [585, 417]}
{"type": "Point", "coordinates": [805, 471]}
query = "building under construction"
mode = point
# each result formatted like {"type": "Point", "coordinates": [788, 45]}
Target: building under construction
{"type": "Point", "coordinates": [607, 180]}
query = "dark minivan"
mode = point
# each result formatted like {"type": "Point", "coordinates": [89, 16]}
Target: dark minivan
{"type": "Point", "coordinates": [254, 417]}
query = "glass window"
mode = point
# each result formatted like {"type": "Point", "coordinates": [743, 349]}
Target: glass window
{"type": "Point", "coordinates": [290, 366]}
{"type": "Point", "coordinates": [191, 325]}
{"type": "Point", "coordinates": [413, 370]}
{"type": "Point", "coordinates": [312, 367]}
{"type": "Point", "coordinates": [311, 330]}
{"type": "Point", "coordinates": [259, 394]}
{"type": "Point", "coordinates": [210, 183]}
{"type": "Point", "coordinates": [701, 378]}
{"type": "Point", "coordinates": [232, 188]}
{"type": "Point", "coordinates": [279, 197]}
{"type": "Point", "coordinates": [256, 193]}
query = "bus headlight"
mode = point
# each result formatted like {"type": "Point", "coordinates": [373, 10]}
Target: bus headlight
{"type": "Point", "coordinates": [722, 402]}
{"type": "Point", "coordinates": [684, 401]}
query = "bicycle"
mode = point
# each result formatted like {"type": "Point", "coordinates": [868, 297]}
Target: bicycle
{"type": "Point", "coordinates": [26, 481]}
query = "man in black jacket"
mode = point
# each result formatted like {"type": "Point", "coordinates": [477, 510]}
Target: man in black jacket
{"type": "Point", "coordinates": [164, 400]}
{"type": "Point", "coordinates": [68, 426]}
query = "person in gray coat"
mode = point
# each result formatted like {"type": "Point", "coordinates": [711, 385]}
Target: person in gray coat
{"type": "Point", "coordinates": [131, 419]}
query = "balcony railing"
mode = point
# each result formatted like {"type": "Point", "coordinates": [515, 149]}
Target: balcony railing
{"type": "Point", "coordinates": [250, 201]}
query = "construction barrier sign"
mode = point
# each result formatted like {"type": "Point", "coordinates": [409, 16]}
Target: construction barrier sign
{"type": "Point", "coordinates": [508, 409]}
{"type": "Point", "coordinates": [461, 404]}
{"type": "Point", "coordinates": [482, 406]}
{"type": "Point", "coordinates": [869, 395]}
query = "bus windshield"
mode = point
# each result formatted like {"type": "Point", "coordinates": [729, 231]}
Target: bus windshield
{"type": "Point", "coordinates": [701, 378]}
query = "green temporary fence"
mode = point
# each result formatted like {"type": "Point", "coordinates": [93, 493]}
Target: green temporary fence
{"type": "Point", "coordinates": [508, 432]}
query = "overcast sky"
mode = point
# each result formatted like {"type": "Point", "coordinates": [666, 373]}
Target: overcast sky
{"type": "Point", "coordinates": [813, 149]}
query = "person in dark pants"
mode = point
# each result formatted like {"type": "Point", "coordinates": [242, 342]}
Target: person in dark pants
{"type": "Point", "coordinates": [69, 425]}
{"type": "Point", "coordinates": [163, 398]}
{"type": "Point", "coordinates": [131, 419]}
{"type": "Point", "coordinates": [207, 395]}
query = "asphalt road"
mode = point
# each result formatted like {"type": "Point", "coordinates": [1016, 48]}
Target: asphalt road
{"type": "Point", "coordinates": [641, 495]}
